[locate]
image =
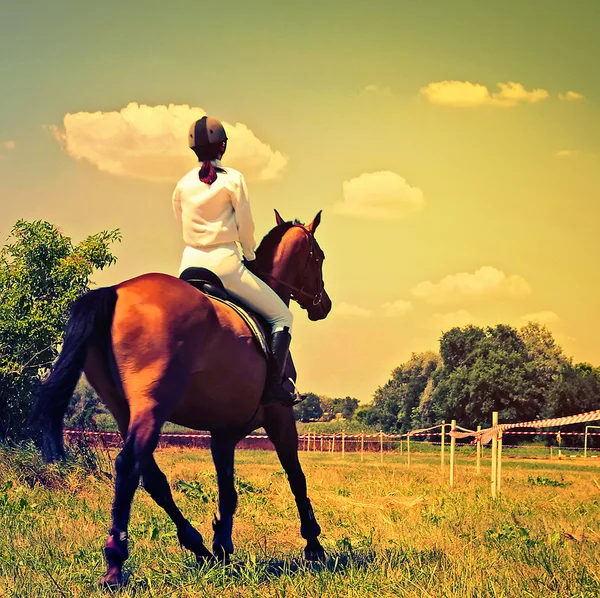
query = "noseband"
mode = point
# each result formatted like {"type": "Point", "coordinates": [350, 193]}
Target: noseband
{"type": "Point", "coordinates": [295, 292]}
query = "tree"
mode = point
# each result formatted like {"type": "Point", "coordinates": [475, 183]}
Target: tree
{"type": "Point", "coordinates": [576, 390]}
{"type": "Point", "coordinates": [396, 404]}
{"type": "Point", "coordinates": [345, 407]}
{"type": "Point", "coordinates": [83, 408]}
{"type": "Point", "coordinates": [487, 371]}
{"type": "Point", "coordinates": [310, 409]}
{"type": "Point", "coordinates": [546, 361]}
{"type": "Point", "coordinates": [41, 273]}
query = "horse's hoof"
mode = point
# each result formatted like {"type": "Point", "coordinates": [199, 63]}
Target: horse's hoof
{"type": "Point", "coordinates": [111, 580]}
{"type": "Point", "coordinates": [205, 559]}
{"type": "Point", "coordinates": [314, 554]}
{"type": "Point", "coordinates": [221, 555]}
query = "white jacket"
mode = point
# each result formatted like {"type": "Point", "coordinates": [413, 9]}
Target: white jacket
{"type": "Point", "coordinates": [215, 214]}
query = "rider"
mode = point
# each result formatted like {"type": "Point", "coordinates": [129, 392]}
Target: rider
{"type": "Point", "coordinates": [211, 204]}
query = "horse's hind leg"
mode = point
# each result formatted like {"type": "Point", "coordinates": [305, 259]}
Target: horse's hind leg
{"type": "Point", "coordinates": [280, 425]}
{"type": "Point", "coordinates": [156, 484]}
{"type": "Point", "coordinates": [222, 447]}
{"type": "Point", "coordinates": [141, 441]}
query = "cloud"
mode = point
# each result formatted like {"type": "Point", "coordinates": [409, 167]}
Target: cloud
{"type": "Point", "coordinates": [397, 308]}
{"type": "Point", "coordinates": [467, 94]}
{"type": "Point", "coordinates": [574, 154]}
{"type": "Point", "coordinates": [348, 310]}
{"type": "Point", "coordinates": [445, 321]}
{"type": "Point", "coordinates": [482, 283]}
{"type": "Point", "coordinates": [379, 195]}
{"type": "Point", "coordinates": [543, 317]}
{"type": "Point", "coordinates": [150, 143]}
{"type": "Point", "coordinates": [570, 96]}
{"type": "Point", "coordinates": [10, 144]}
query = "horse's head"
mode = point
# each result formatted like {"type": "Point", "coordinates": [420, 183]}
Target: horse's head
{"type": "Point", "coordinates": [291, 261]}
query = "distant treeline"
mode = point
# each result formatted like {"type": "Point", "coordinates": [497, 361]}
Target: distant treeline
{"type": "Point", "coordinates": [523, 374]}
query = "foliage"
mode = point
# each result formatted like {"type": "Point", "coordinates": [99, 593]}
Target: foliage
{"type": "Point", "coordinates": [84, 408]}
{"type": "Point", "coordinates": [310, 409]}
{"type": "Point", "coordinates": [396, 404]}
{"type": "Point", "coordinates": [41, 273]}
{"type": "Point", "coordinates": [523, 374]}
{"type": "Point", "coordinates": [345, 407]}
{"type": "Point", "coordinates": [315, 408]}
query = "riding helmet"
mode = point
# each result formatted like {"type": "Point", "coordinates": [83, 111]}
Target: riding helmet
{"type": "Point", "coordinates": [206, 131]}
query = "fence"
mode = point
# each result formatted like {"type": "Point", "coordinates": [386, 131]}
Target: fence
{"type": "Point", "coordinates": [382, 443]}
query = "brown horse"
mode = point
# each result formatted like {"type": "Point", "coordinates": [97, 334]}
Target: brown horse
{"type": "Point", "coordinates": [156, 349]}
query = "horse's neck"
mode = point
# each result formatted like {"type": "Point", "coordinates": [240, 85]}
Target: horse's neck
{"type": "Point", "coordinates": [278, 272]}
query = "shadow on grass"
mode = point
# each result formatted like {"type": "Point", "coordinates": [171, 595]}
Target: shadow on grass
{"type": "Point", "coordinates": [336, 562]}
{"type": "Point", "coordinates": [248, 571]}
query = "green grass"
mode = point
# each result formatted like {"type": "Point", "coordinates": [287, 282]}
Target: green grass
{"type": "Point", "coordinates": [388, 530]}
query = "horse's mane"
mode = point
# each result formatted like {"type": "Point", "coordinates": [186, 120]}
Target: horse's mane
{"type": "Point", "coordinates": [272, 238]}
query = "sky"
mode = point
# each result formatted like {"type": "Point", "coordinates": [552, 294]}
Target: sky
{"type": "Point", "coordinates": [454, 148]}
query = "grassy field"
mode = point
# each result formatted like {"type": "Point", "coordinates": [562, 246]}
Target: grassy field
{"type": "Point", "coordinates": [388, 530]}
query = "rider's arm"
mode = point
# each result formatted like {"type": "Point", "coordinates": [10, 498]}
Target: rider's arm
{"type": "Point", "coordinates": [243, 219]}
{"type": "Point", "coordinates": [177, 205]}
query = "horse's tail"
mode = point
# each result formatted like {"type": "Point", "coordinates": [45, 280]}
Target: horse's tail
{"type": "Point", "coordinates": [89, 324]}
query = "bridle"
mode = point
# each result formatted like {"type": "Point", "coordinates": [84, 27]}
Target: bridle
{"type": "Point", "coordinates": [295, 292]}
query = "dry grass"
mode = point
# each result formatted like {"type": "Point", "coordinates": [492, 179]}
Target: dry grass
{"type": "Point", "coordinates": [388, 531]}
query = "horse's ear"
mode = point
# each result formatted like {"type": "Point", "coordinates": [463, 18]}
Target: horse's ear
{"type": "Point", "coordinates": [312, 227]}
{"type": "Point", "coordinates": [278, 218]}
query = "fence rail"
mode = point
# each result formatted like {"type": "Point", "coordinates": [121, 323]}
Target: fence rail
{"type": "Point", "coordinates": [352, 443]}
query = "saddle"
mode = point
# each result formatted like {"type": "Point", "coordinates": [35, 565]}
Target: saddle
{"type": "Point", "coordinates": [210, 284]}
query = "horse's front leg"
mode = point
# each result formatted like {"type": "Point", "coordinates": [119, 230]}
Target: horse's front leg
{"type": "Point", "coordinates": [222, 447]}
{"type": "Point", "coordinates": [280, 425]}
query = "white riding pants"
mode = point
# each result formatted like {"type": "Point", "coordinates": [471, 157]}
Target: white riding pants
{"type": "Point", "coordinates": [226, 262]}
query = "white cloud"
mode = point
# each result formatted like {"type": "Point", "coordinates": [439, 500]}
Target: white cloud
{"type": "Point", "coordinates": [348, 310]}
{"type": "Point", "coordinates": [466, 94]}
{"type": "Point", "coordinates": [397, 308]}
{"type": "Point", "coordinates": [10, 144]}
{"type": "Point", "coordinates": [481, 283]}
{"type": "Point", "coordinates": [575, 154]}
{"type": "Point", "coordinates": [570, 96]}
{"type": "Point", "coordinates": [379, 195]}
{"type": "Point", "coordinates": [445, 321]}
{"type": "Point", "coordinates": [150, 143]}
{"type": "Point", "coordinates": [543, 317]}
{"type": "Point", "coordinates": [513, 93]}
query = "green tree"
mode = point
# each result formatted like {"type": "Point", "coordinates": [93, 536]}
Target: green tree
{"type": "Point", "coordinates": [576, 389]}
{"type": "Point", "coordinates": [487, 371]}
{"type": "Point", "coordinates": [396, 404]}
{"type": "Point", "coordinates": [310, 409]}
{"type": "Point", "coordinates": [546, 361]}
{"type": "Point", "coordinates": [346, 407]}
{"type": "Point", "coordinates": [84, 407]}
{"type": "Point", "coordinates": [41, 273]}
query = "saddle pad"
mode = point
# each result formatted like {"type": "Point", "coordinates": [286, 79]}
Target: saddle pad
{"type": "Point", "coordinates": [258, 332]}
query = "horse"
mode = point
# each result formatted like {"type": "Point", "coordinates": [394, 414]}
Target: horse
{"type": "Point", "coordinates": [156, 349]}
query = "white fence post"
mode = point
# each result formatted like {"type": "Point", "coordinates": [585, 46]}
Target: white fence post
{"type": "Point", "coordinates": [452, 452]}
{"type": "Point", "coordinates": [494, 454]}
{"type": "Point", "coordinates": [443, 439]}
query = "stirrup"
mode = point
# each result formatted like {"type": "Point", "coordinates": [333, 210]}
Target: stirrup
{"type": "Point", "coordinates": [295, 397]}
{"type": "Point", "coordinates": [298, 398]}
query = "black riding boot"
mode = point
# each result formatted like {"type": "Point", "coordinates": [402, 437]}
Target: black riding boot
{"type": "Point", "coordinates": [274, 391]}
